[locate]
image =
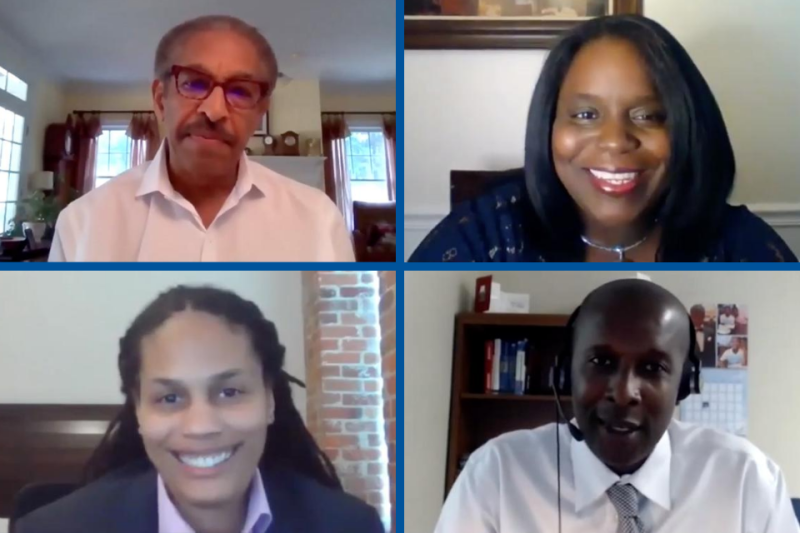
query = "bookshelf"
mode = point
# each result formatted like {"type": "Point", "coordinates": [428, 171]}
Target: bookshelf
{"type": "Point", "coordinates": [477, 416]}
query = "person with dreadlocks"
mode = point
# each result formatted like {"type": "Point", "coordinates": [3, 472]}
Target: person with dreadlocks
{"type": "Point", "coordinates": [208, 440]}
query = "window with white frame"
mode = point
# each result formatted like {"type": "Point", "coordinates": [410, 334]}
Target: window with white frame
{"type": "Point", "coordinates": [113, 154]}
{"type": "Point", "coordinates": [13, 85]}
{"type": "Point", "coordinates": [12, 127]}
{"type": "Point", "coordinates": [366, 161]}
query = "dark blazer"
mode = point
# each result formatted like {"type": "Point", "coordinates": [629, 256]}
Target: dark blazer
{"type": "Point", "coordinates": [126, 501]}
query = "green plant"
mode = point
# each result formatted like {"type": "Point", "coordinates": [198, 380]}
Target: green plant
{"type": "Point", "coordinates": [40, 208]}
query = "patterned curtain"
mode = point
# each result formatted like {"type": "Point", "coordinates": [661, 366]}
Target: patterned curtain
{"type": "Point", "coordinates": [143, 131]}
{"type": "Point", "coordinates": [337, 180]}
{"type": "Point", "coordinates": [87, 129]}
{"type": "Point", "coordinates": [389, 134]}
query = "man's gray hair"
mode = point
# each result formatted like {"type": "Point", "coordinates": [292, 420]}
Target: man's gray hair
{"type": "Point", "coordinates": [177, 35]}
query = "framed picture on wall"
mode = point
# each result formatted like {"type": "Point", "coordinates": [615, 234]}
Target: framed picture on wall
{"type": "Point", "coordinates": [476, 24]}
{"type": "Point", "coordinates": [263, 129]}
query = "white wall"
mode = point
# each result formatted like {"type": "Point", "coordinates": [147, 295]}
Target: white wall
{"type": "Point", "coordinates": [466, 110]}
{"type": "Point", "coordinates": [771, 298]}
{"type": "Point", "coordinates": [296, 107]}
{"type": "Point", "coordinates": [59, 331]}
{"type": "Point", "coordinates": [431, 301]}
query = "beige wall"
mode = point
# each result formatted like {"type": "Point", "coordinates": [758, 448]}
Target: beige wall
{"type": "Point", "coordinates": [431, 302]}
{"type": "Point", "coordinates": [102, 97]}
{"type": "Point", "coordinates": [47, 108]}
{"type": "Point", "coordinates": [466, 109]}
{"type": "Point", "coordinates": [359, 101]}
{"type": "Point", "coordinates": [296, 107]}
{"type": "Point", "coordinates": [748, 53]}
{"type": "Point", "coordinates": [59, 331]}
{"type": "Point", "coordinates": [43, 105]}
{"type": "Point", "coordinates": [295, 104]}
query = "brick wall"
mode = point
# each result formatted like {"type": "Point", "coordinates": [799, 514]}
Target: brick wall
{"type": "Point", "coordinates": [388, 362]}
{"type": "Point", "coordinates": [343, 371]}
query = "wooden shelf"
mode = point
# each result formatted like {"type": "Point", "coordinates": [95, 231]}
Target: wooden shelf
{"type": "Point", "coordinates": [475, 416]}
{"type": "Point", "coordinates": [514, 397]}
{"type": "Point", "coordinates": [511, 319]}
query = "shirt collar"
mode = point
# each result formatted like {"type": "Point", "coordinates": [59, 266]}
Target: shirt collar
{"type": "Point", "coordinates": [258, 519]}
{"type": "Point", "coordinates": [593, 478]}
{"type": "Point", "coordinates": [156, 178]}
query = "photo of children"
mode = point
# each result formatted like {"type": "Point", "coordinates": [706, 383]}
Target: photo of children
{"type": "Point", "coordinates": [732, 320]}
{"type": "Point", "coordinates": [722, 346]}
{"type": "Point", "coordinates": [732, 351]}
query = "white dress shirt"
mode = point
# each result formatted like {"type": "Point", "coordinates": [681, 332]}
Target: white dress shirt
{"type": "Point", "coordinates": [697, 479]}
{"type": "Point", "coordinates": [138, 216]}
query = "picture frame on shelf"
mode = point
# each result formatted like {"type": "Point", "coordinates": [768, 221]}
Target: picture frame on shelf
{"type": "Point", "coordinates": [498, 24]}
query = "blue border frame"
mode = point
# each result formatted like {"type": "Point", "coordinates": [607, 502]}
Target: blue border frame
{"type": "Point", "coordinates": [399, 132]}
{"type": "Point", "coordinates": [570, 267]}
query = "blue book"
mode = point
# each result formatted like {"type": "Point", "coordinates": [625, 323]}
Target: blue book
{"type": "Point", "coordinates": [503, 365]}
{"type": "Point", "coordinates": [511, 358]}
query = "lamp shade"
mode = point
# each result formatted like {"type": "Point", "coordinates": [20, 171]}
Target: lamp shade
{"type": "Point", "coordinates": [41, 181]}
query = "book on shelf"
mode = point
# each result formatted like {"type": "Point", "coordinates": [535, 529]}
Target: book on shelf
{"type": "Point", "coordinates": [519, 374]}
{"type": "Point", "coordinates": [505, 366]}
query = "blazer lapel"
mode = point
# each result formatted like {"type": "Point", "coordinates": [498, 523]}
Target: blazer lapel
{"type": "Point", "coordinates": [284, 503]}
{"type": "Point", "coordinates": [139, 512]}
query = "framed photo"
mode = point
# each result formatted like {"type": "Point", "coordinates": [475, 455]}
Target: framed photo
{"type": "Point", "coordinates": [482, 24]}
{"type": "Point", "coordinates": [264, 128]}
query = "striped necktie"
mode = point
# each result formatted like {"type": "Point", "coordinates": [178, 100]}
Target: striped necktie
{"type": "Point", "coordinates": [626, 501]}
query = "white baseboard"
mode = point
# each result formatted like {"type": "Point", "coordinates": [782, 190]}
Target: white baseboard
{"type": "Point", "coordinates": [778, 215]}
{"type": "Point", "coordinates": [785, 218]}
{"type": "Point", "coordinates": [415, 227]}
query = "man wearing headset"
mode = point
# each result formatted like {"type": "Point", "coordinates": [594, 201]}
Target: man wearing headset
{"type": "Point", "coordinates": [623, 465]}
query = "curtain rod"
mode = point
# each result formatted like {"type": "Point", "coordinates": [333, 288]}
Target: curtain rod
{"type": "Point", "coordinates": [82, 112]}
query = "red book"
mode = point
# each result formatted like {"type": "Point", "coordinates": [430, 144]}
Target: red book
{"type": "Point", "coordinates": [487, 366]}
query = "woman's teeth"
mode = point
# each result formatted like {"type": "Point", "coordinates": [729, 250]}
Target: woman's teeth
{"type": "Point", "coordinates": [617, 178]}
{"type": "Point", "coordinates": [205, 461]}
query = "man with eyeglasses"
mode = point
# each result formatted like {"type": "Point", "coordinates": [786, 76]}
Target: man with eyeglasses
{"type": "Point", "coordinates": [201, 198]}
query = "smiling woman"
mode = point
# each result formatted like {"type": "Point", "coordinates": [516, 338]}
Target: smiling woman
{"type": "Point", "coordinates": [627, 158]}
{"type": "Point", "coordinates": [209, 439]}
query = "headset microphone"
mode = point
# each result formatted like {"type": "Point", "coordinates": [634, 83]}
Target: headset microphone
{"type": "Point", "coordinates": [574, 430]}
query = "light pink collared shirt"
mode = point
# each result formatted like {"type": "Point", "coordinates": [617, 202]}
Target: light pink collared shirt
{"type": "Point", "coordinates": [138, 216]}
{"type": "Point", "coordinates": [258, 519]}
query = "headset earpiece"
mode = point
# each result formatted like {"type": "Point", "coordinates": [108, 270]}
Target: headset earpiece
{"type": "Point", "coordinates": [562, 364]}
